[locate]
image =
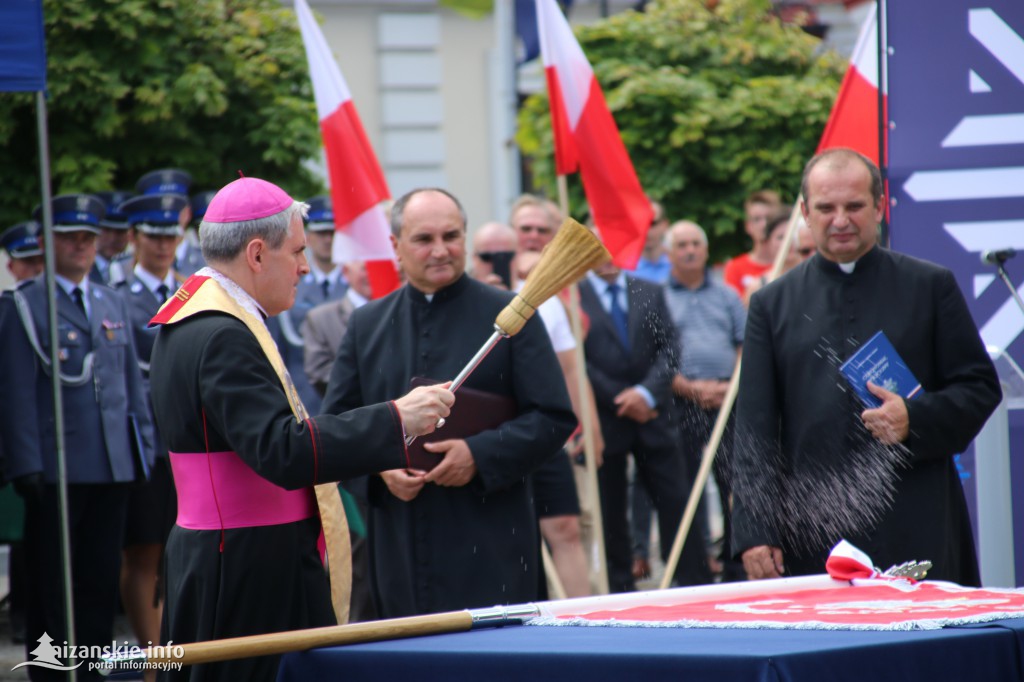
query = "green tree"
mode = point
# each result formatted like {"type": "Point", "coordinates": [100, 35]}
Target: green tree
{"type": "Point", "coordinates": [713, 100]}
{"type": "Point", "coordinates": [210, 86]}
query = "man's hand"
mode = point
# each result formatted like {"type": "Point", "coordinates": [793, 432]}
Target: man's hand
{"type": "Point", "coordinates": [457, 468]}
{"type": "Point", "coordinates": [421, 407]}
{"type": "Point", "coordinates": [763, 562]}
{"type": "Point", "coordinates": [709, 393]}
{"type": "Point", "coordinates": [706, 393]}
{"type": "Point", "coordinates": [405, 484]}
{"type": "Point", "coordinates": [576, 448]}
{"type": "Point", "coordinates": [495, 281]}
{"type": "Point", "coordinates": [632, 405]}
{"type": "Point", "coordinates": [890, 423]}
{"type": "Point", "coordinates": [29, 487]}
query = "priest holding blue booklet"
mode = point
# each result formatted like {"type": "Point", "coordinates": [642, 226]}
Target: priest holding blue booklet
{"type": "Point", "coordinates": [812, 462]}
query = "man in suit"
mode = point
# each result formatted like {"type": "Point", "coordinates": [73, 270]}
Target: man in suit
{"type": "Point", "coordinates": [155, 233]}
{"type": "Point", "coordinates": [630, 361]}
{"type": "Point", "coordinates": [322, 332]}
{"type": "Point", "coordinates": [325, 325]}
{"type": "Point", "coordinates": [811, 465]}
{"type": "Point", "coordinates": [102, 398]}
{"type": "Point", "coordinates": [324, 282]}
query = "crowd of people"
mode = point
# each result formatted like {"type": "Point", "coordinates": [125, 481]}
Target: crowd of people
{"type": "Point", "coordinates": [239, 414]}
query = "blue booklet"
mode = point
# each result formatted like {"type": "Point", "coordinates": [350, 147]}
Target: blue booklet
{"type": "Point", "coordinates": [878, 362]}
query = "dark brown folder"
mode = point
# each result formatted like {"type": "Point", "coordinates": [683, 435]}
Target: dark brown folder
{"type": "Point", "coordinates": [474, 412]}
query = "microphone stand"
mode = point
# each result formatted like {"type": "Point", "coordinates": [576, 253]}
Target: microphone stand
{"type": "Point", "coordinates": [1001, 268]}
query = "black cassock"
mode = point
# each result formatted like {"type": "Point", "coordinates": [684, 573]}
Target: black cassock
{"type": "Point", "coordinates": [473, 546]}
{"type": "Point", "coordinates": [214, 390]}
{"type": "Point", "coordinates": [798, 423]}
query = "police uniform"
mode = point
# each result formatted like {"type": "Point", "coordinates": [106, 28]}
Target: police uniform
{"type": "Point", "coordinates": [189, 258]}
{"type": "Point", "coordinates": [21, 242]}
{"type": "Point", "coordinates": [107, 429]}
{"type": "Point", "coordinates": [312, 290]}
{"type": "Point", "coordinates": [116, 269]}
{"type": "Point", "coordinates": [152, 507]}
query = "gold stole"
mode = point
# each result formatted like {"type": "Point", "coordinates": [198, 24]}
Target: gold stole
{"type": "Point", "coordinates": [211, 296]}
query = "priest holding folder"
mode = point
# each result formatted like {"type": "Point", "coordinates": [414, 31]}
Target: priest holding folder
{"type": "Point", "coordinates": [243, 557]}
{"type": "Point", "coordinates": [461, 534]}
{"type": "Point", "coordinates": [813, 465]}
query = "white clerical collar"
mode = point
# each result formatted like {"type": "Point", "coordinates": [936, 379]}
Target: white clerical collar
{"type": "Point", "coordinates": [356, 298]}
{"type": "Point", "coordinates": [236, 292]}
{"type": "Point", "coordinates": [152, 282]}
{"type": "Point", "coordinates": [847, 267]}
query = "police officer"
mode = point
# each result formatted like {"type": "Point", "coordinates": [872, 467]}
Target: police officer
{"type": "Point", "coordinates": [25, 260]}
{"type": "Point", "coordinates": [189, 257]}
{"type": "Point", "coordinates": [24, 248]}
{"type": "Point", "coordinates": [113, 258]}
{"type": "Point", "coordinates": [107, 430]}
{"type": "Point", "coordinates": [155, 233]}
{"type": "Point", "coordinates": [323, 283]}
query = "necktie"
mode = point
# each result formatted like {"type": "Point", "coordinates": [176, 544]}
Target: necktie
{"type": "Point", "coordinates": [161, 292]}
{"type": "Point", "coordinates": [618, 315]}
{"type": "Point", "coordinates": [326, 286]}
{"type": "Point", "coordinates": [76, 296]}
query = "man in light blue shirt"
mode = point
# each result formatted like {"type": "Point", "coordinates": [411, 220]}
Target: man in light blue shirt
{"type": "Point", "coordinates": [710, 321]}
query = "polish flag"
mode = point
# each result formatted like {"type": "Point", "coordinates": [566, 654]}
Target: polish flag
{"type": "Point", "coordinates": [587, 139]}
{"type": "Point", "coordinates": [855, 116]}
{"type": "Point", "coordinates": [357, 183]}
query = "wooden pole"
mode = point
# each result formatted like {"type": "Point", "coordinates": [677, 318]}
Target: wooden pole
{"type": "Point", "coordinates": [557, 588]}
{"type": "Point", "coordinates": [586, 418]}
{"type": "Point", "coordinates": [299, 640]}
{"type": "Point", "coordinates": [711, 449]}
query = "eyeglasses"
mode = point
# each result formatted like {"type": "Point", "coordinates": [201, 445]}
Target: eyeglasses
{"type": "Point", "coordinates": [491, 256]}
{"type": "Point", "coordinates": [805, 252]}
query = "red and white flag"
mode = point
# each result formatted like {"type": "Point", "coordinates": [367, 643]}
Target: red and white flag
{"type": "Point", "coordinates": [587, 139]}
{"type": "Point", "coordinates": [855, 116]}
{"type": "Point", "coordinates": [357, 183]}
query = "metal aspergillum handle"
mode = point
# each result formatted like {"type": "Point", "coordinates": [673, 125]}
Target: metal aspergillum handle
{"type": "Point", "coordinates": [461, 377]}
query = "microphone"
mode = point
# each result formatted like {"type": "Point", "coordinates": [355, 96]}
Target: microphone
{"type": "Point", "coordinates": [997, 257]}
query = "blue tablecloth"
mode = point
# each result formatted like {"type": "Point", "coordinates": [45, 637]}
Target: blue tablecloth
{"type": "Point", "coordinates": [989, 653]}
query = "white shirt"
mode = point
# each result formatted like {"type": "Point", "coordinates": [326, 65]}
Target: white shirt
{"type": "Point", "coordinates": [556, 321]}
{"type": "Point", "coordinates": [152, 282]}
{"type": "Point", "coordinates": [68, 286]}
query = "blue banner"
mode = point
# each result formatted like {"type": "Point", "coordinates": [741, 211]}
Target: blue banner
{"type": "Point", "coordinates": [22, 46]}
{"type": "Point", "coordinates": [956, 162]}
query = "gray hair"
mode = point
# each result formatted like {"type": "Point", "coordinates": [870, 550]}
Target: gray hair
{"type": "Point", "coordinates": [398, 208]}
{"type": "Point", "coordinates": [222, 242]}
{"type": "Point", "coordinates": [532, 200]}
{"type": "Point", "coordinates": [667, 241]}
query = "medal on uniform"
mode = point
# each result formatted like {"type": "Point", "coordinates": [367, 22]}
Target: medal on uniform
{"type": "Point", "coordinates": [110, 327]}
